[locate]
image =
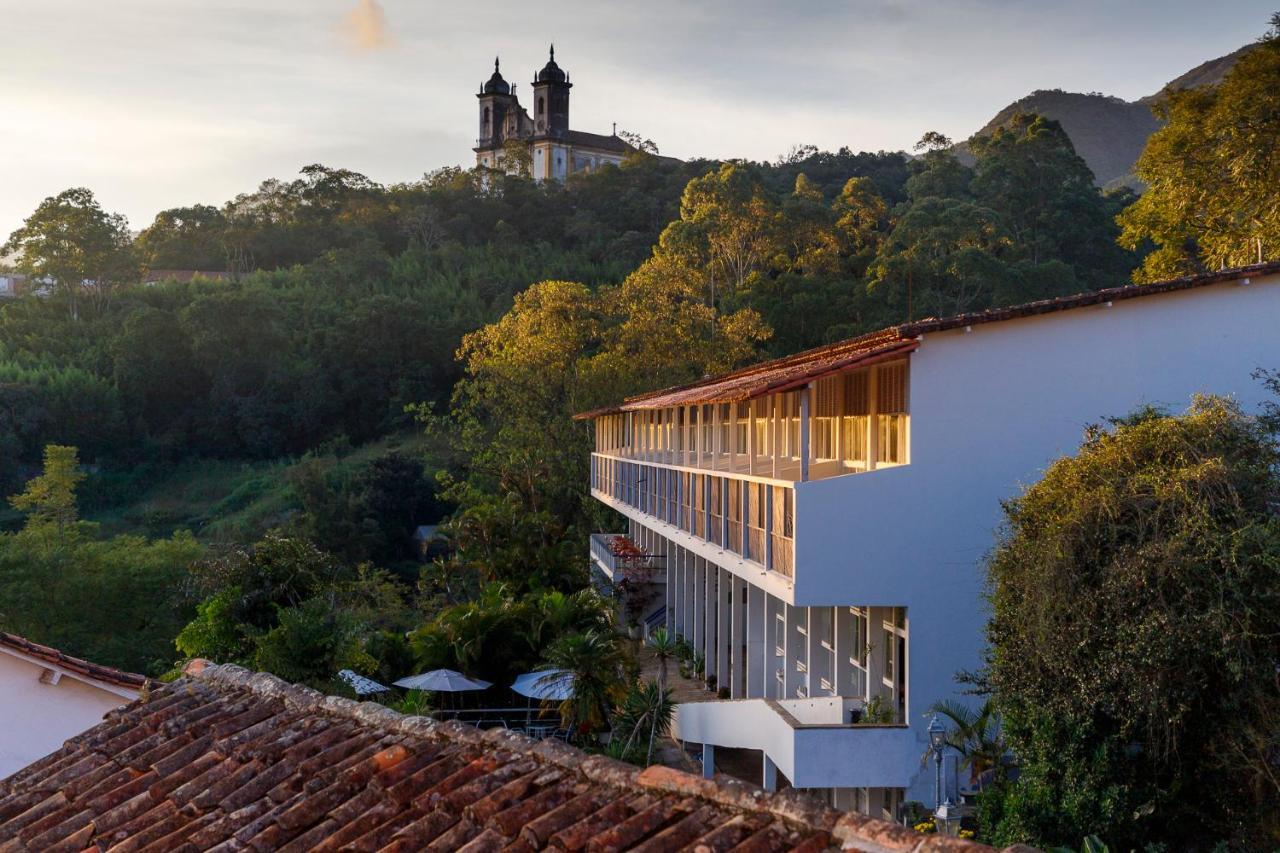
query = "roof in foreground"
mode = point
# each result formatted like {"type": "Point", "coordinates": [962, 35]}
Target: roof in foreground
{"type": "Point", "coordinates": [793, 371]}
{"type": "Point", "coordinates": [229, 757]}
{"type": "Point", "coordinates": [79, 667]}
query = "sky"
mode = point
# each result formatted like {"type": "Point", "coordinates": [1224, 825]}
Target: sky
{"type": "Point", "coordinates": [155, 104]}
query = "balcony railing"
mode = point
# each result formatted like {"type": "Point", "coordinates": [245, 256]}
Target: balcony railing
{"type": "Point", "coordinates": [620, 558]}
{"type": "Point", "coordinates": [753, 518]}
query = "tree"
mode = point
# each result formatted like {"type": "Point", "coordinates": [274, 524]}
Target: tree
{"type": "Point", "coordinates": [975, 734]}
{"type": "Point", "coordinates": [595, 661]}
{"type": "Point", "coordinates": [50, 499]}
{"type": "Point", "coordinates": [1029, 172]}
{"type": "Point", "coordinates": [1211, 173]}
{"type": "Point", "coordinates": [663, 646]}
{"type": "Point", "coordinates": [1134, 636]}
{"type": "Point", "coordinates": [72, 241]}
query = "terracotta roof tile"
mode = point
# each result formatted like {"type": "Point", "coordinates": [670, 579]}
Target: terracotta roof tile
{"type": "Point", "coordinates": [74, 665]}
{"type": "Point", "coordinates": [269, 766]}
{"type": "Point", "coordinates": [784, 374]}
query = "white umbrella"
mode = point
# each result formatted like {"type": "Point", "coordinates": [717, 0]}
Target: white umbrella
{"type": "Point", "coordinates": [443, 680]}
{"type": "Point", "coordinates": [361, 685]}
{"type": "Point", "coordinates": [548, 684]}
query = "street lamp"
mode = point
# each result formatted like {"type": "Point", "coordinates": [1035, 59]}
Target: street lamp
{"type": "Point", "coordinates": [937, 740]}
{"type": "Point", "coordinates": [946, 815]}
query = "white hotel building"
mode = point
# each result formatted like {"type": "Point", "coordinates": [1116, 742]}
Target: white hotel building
{"type": "Point", "coordinates": [818, 523]}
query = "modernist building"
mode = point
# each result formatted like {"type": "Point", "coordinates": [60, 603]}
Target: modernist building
{"type": "Point", "coordinates": [818, 523]}
{"type": "Point", "coordinates": [556, 151]}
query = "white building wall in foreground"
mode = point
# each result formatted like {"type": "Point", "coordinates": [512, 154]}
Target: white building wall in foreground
{"type": "Point", "coordinates": [36, 716]}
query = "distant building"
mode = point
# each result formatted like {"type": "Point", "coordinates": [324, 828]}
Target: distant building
{"type": "Point", "coordinates": [47, 696]}
{"type": "Point", "coordinates": [430, 542]}
{"type": "Point", "coordinates": [555, 151]}
{"type": "Point", "coordinates": [12, 285]}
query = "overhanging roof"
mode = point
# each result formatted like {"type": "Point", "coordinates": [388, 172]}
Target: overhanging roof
{"type": "Point", "coordinates": [796, 370]}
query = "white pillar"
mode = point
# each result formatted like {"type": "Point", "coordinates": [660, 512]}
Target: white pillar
{"type": "Point", "coordinates": [726, 658]}
{"type": "Point", "coordinates": [757, 658]}
{"type": "Point", "coordinates": [711, 619]}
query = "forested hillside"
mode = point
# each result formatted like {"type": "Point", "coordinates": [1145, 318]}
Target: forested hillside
{"type": "Point", "coordinates": [293, 395]}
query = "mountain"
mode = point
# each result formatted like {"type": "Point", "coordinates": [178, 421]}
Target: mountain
{"type": "Point", "coordinates": [1110, 132]}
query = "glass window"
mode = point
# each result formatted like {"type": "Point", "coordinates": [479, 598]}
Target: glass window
{"type": "Point", "coordinates": [891, 408]}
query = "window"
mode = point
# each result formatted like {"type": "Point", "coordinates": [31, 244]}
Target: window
{"type": "Point", "coordinates": [789, 425]}
{"type": "Point", "coordinates": [724, 414]}
{"type": "Point", "coordinates": [762, 415]}
{"type": "Point", "coordinates": [891, 408]}
{"type": "Point", "coordinates": [542, 105]}
{"type": "Point", "coordinates": [855, 417]}
{"type": "Point", "coordinates": [859, 637]}
{"type": "Point", "coordinates": [741, 425]}
{"type": "Point", "coordinates": [780, 634]}
{"type": "Point", "coordinates": [826, 418]}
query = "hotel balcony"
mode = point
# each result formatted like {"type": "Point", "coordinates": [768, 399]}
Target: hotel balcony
{"type": "Point", "coordinates": [729, 481]}
{"type": "Point", "coordinates": [618, 558]}
{"type": "Point", "coordinates": [811, 741]}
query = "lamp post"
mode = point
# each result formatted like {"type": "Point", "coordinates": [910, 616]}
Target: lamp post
{"type": "Point", "coordinates": [937, 740]}
{"type": "Point", "coordinates": [946, 814]}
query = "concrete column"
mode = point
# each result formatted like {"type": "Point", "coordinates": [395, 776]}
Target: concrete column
{"type": "Point", "coordinates": [878, 657]}
{"type": "Point", "coordinates": [820, 659]}
{"type": "Point", "coordinates": [843, 674]}
{"type": "Point", "coordinates": [797, 678]}
{"type": "Point", "coordinates": [711, 619]}
{"type": "Point", "coordinates": [708, 761]}
{"type": "Point", "coordinates": [753, 629]}
{"type": "Point", "coordinates": [726, 658]}
{"type": "Point", "coordinates": [675, 592]}
{"type": "Point", "coordinates": [769, 774]}
{"type": "Point", "coordinates": [775, 657]}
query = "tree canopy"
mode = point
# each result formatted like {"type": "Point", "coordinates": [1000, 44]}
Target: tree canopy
{"type": "Point", "coordinates": [1134, 636]}
{"type": "Point", "coordinates": [1211, 173]}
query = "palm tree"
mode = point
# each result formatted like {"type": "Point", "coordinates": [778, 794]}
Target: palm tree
{"type": "Point", "coordinates": [647, 707]}
{"type": "Point", "coordinates": [595, 661]}
{"type": "Point", "coordinates": [664, 649]}
{"type": "Point", "coordinates": [975, 734]}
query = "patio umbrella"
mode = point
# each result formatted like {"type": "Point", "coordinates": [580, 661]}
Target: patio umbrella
{"type": "Point", "coordinates": [442, 680]}
{"type": "Point", "coordinates": [361, 685]}
{"type": "Point", "coordinates": [554, 685]}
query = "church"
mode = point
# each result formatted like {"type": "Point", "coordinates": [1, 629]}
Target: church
{"type": "Point", "coordinates": [556, 152]}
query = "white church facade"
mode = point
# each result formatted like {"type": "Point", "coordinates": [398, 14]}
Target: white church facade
{"type": "Point", "coordinates": [817, 525]}
{"type": "Point", "coordinates": [554, 150]}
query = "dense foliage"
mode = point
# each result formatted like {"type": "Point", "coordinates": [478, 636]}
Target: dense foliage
{"type": "Point", "coordinates": [1212, 173]}
{"type": "Point", "coordinates": [1134, 637]}
{"type": "Point", "coordinates": [111, 600]}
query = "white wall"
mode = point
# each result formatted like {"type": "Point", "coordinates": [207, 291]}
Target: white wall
{"type": "Point", "coordinates": [821, 756]}
{"type": "Point", "coordinates": [35, 718]}
{"type": "Point", "coordinates": [990, 409]}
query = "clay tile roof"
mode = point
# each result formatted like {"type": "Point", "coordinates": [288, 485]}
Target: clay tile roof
{"type": "Point", "coordinates": [73, 665]}
{"type": "Point", "coordinates": [784, 374]}
{"type": "Point", "coordinates": [233, 759]}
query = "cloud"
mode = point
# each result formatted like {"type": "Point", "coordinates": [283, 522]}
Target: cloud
{"type": "Point", "coordinates": [365, 27]}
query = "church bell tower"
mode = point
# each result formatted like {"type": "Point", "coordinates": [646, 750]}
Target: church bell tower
{"type": "Point", "coordinates": [551, 99]}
